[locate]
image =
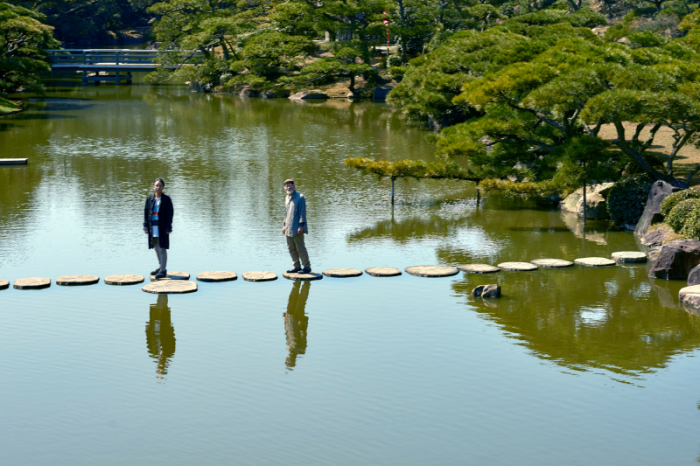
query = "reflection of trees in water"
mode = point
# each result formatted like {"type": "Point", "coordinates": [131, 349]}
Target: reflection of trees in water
{"type": "Point", "coordinates": [296, 322]}
{"type": "Point", "coordinates": [589, 318]}
{"type": "Point", "coordinates": [160, 335]}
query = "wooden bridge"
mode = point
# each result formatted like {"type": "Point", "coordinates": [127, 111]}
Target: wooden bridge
{"type": "Point", "coordinates": [112, 65]}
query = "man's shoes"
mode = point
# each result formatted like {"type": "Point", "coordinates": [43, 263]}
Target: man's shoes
{"type": "Point", "coordinates": [155, 272]}
{"type": "Point", "coordinates": [306, 270]}
{"type": "Point", "coordinates": [161, 274]}
{"type": "Point", "coordinates": [294, 270]}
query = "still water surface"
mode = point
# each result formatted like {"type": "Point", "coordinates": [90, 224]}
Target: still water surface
{"type": "Point", "coordinates": [574, 366]}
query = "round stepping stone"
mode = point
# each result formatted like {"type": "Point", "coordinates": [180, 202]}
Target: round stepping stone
{"type": "Point", "coordinates": [34, 283]}
{"type": "Point", "coordinates": [383, 271]}
{"type": "Point", "coordinates": [517, 266]}
{"type": "Point", "coordinates": [4, 284]}
{"type": "Point", "coordinates": [217, 276]}
{"type": "Point", "coordinates": [77, 280]}
{"type": "Point", "coordinates": [259, 276]}
{"type": "Point", "coordinates": [128, 279]}
{"type": "Point", "coordinates": [302, 276]}
{"type": "Point", "coordinates": [431, 271]}
{"type": "Point", "coordinates": [170, 287]}
{"type": "Point", "coordinates": [478, 268]}
{"type": "Point", "coordinates": [342, 273]}
{"type": "Point", "coordinates": [628, 257]}
{"type": "Point", "coordinates": [175, 276]}
{"type": "Point", "coordinates": [552, 263]}
{"type": "Point", "coordinates": [594, 262]}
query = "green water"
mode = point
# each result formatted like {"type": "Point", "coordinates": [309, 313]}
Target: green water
{"type": "Point", "coordinates": [572, 366]}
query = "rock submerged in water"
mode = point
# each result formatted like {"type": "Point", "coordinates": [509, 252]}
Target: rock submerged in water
{"type": "Point", "coordinates": [676, 259]}
{"type": "Point", "coordinates": [596, 205]}
{"type": "Point", "coordinates": [487, 291]}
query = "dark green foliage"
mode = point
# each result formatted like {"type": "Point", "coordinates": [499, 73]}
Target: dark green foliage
{"type": "Point", "coordinates": [627, 199]}
{"type": "Point", "coordinates": [670, 202]}
{"type": "Point", "coordinates": [680, 216]}
{"type": "Point", "coordinates": [691, 227]}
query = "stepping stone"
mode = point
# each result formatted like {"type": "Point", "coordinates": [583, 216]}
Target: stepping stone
{"type": "Point", "coordinates": [432, 271]}
{"type": "Point", "coordinates": [383, 272]}
{"type": "Point", "coordinates": [259, 276]}
{"type": "Point", "coordinates": [4, 284]}
{"type": "Point", "coordinates": [690, 296]}
{"type": "Point", "coordinates": [217, 276]}
{"type": "Point", "coordinates": [34, 283]}
{"type": "Point", "coordinates": [128, 279]}
{"type": "Point", "coordinates": [77, 280]}
{"type": "Point", "coordinates": [517, 266]}
{"type": "Point", "coordinates": [302, 276]}
{"type": "Point", "coordinates": [342, 273]}
{"type": "Point", "coordinates": [594, 262]}
{"type": "Point", "coordinates": [552, 263]}
{"type": "Point", "coordinates": [175, 276]}
{"type": "Point", "coordinates": [165, 286]}
{"type": "Point", "coordinates": [629, 257]}
{"type": "Point", "coordinates": [478, 268]}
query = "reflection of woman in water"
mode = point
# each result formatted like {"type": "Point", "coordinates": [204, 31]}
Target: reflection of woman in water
{"type": "Point", "coordinates": [296, 322]}
{"type": "Point", "coordinates": [160, 334]}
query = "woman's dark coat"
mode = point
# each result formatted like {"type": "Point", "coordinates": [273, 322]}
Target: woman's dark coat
{"type": "Point", "coordinates": [165, 220]}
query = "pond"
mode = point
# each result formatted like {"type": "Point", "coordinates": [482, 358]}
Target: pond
{"type": "Point", "coordinates": [571, 366]}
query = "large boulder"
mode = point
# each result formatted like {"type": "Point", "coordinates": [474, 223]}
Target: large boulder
{"type": "Point", "coordinates": [381, 92]}
{"type": "Point", "coordinates": [676, 259]}
{"type": "Point", "coordinates": [596, 205]}
{"type": "Point", "coordinates": [487, 291]}
{"type": "Point", "coordinates": [309, 95]}
{"type": "Point", "coordinates": [659, 191]}
{"type": "Point", "coordinates": [694, 276]}
{"type": "Point", "coordinates": [654, 238]}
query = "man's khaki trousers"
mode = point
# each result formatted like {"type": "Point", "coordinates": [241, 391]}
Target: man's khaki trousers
{"type": "Point", "coordinates": [297, 250]}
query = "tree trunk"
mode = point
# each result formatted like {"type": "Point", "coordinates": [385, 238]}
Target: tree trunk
{"type": "Point", "coordinates": [392, 191]}
{"type": "Point", "coordinates": [584, 204]}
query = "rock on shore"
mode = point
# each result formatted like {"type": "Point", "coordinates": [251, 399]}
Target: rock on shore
{"type": "Point", "coordinates": [596, 205]}
{"type": "Point", "coordinates": [676, 259]}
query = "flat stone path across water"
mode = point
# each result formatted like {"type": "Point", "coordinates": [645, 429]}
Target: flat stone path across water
{"type": "Point", "coordinates": [552, 263]}
{"type": "Point", "coordinates": [517, 266]}
{"type": "Point", "coordinates": [175, 276]}
{"type": "Point", "coordinates": [33, 283]}
{"type": "Point", "coordinates": [690, 296]}
{"type": "Point", "coordinates": [594, 262]}
{"type": "Point", "coordinates": [431, 271]}
{"type": "Point", "coordinates": [77, 280]}
{"type": "Point", "coordinates": [478, 268]}
{"type": "Point", "coordinates": [170, 287]}
{"type": "Point", "coordinates": [383, 271]}
{"type": "Point", "coordinates": [217, 276]}
{"type": "Point", "coordinates": [302, 276]}
{"type": "Point", "coordinates": [4, 284]}
{"type": "Point", "coordinates": [342, 273]}
{"type": "Point", "coordinates": [259, 276]}
{"type": "Point", "coordinates": [127, 279]}
{"type": "Point", "coordinates": [629, 257]}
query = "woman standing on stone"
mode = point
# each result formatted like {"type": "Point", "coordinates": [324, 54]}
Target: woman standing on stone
{"type": "Point", "coordinates": [158, 224]}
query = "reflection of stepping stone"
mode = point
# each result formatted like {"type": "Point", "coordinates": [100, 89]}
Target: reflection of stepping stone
{"type": "Point", "coordinates": [77, 280]}
{"type": "Point", "coordinates": [594, 262]}
{"type": "Point", "coordinates": [342, 273]}
{"type": "Point", "coordinates": [517, 266]}
{"type": "Point", "coordinates": [170, 287]}
{"type": "Point", "coordinates": [218, 276]}
{"type": "Point", "coordinates": [629, 257]}
{"type": "Point", "coordinates": [129, 279]}
{"type": "Point", "coordinates": [478, 268]}
{"type": "Point", "coordinates": [4, 284]}
{"type": "Point", "coordinates": [552, 263]}
{"type": "Point", "coordinates": [33, 283]}
{"type": "Point", "coordinates": [175, 276]}
{"type": "Point", "coordinates": [432, 271]}
{"type": "Point", "coordinates": [259, 276]}
{"type": "Point", "coordinates": [302, 276]}
{"type": "Point", "coordinates": [383, 271]}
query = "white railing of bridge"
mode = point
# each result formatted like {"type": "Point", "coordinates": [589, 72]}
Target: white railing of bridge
{"type": "Point", "coordinates": [112, 56]}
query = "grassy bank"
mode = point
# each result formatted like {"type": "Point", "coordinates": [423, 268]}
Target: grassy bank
{"type": "Point", "coordinates": [9, 106]}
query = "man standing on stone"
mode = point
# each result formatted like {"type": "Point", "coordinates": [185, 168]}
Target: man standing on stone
{"type": "Point", "coordinates": [295, 227]}
{"type": "Point", "coordinates": [158, 224]}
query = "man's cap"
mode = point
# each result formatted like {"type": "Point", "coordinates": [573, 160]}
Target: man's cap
{"type": "Point", "coordinates": [289, 181]}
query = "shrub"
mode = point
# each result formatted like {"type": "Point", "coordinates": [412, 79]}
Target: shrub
{"type": "Point", "coordinates": [680, 214]}
{"type": "Point", "coordinates": [691, 228]}
{"type": "Point", "coordinates": [397, 72]}
{"type": "Point", "coordinates": [627, 199]}
{"type": "Point", "coordinates": [671, 201]}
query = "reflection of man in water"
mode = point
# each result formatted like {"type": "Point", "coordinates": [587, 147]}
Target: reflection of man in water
{"type": "Point", "coordinates": [296, 322]}
{"type": "Point", "coordinates": [160, 334]}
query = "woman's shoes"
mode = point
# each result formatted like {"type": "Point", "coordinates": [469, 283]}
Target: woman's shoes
{"type": "Point", "coordinates": [294, 270]}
